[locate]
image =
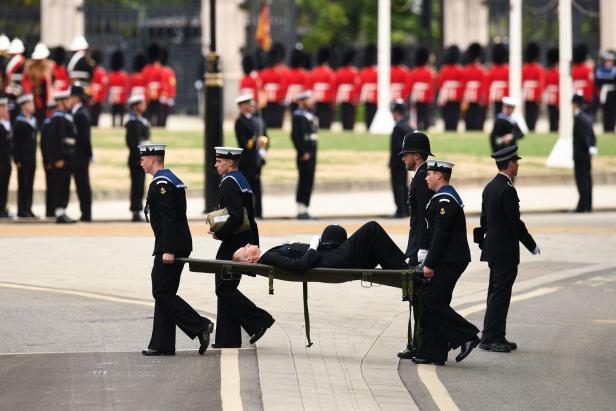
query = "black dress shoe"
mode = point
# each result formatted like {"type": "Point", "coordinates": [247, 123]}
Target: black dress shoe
{"type": "Point", "coordinates": [262, 331]}
{"type": "Point", "coordinates": [64, 219]}
{"type": "Point", "coordinates": [204, 338]}
{"type": "Point", "coordinates": [427, 361]}
{"type": "Point", "coordinates": [407, 354]}
{"type": "Point", "coordinates": [495, 347]}
{"type": "Point", "coordinates": [151, 353]}
{"type": "Point", "coordinates": [511, 344]}
{"type": "Point", "coordinates": [85, 219]}
{"type": "Point", "coordinates": [466, 348]}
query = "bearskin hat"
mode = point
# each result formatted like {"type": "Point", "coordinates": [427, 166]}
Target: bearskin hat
{"type": "Point", "coordinates": [422, 55]}
{"type": "Point", "coordinates": [531, 52]}
{"type": "Point", "coordinates": [580, 53]}
{"type": "Point", "coordinates": [116, 62]}
{"type": "Point", "coordinates": [452, 55]}
{"type": "Point", "coordinates": [398, 55]}
{"type": "Point", "coordinates": [552, 56]}
{"type": "Point", "coordinates": [500, 53]}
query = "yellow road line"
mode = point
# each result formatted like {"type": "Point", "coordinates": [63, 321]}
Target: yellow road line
{"type": "Point", "coordinates": [604, 321]}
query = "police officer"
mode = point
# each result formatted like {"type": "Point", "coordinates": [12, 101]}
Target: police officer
{"type": "Point", "coordinates": [235, 310]}
{"type": "Point", "coordinates": [250, 132]}
{"type": "Point", "coordinates": [166, 205]}
{"type": "Point", "coordinates": [304, 137]}
{"type": "Point", "coordinates": [6, 148]}
{"type": "Point", "coordinates": [397, 169]}
{"type": "Point", "coordinates": [506, 130]}
{"type": "Point", "coordinates": [83, 149]}
{"type": "Point", "coordinates": [447, 258]}
{"type": "Point", "coordinates": [499, 237]}
{"type": "Point", "coordinates": [584, 148]}
{"type": "Point", "coordinates": [415, 152]}
{"type": "Point", "coordinates": [24, 154]}
{"type": "Point", "coordinates": [137, 132]}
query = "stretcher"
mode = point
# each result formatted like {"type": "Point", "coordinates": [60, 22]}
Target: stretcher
{"type": "Point", "coordinates": [406, 280]}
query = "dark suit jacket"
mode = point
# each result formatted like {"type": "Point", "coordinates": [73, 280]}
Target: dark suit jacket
{"type": "Point", "coordinates": [583, 135]}
{"type": "Point", "coordinates": [83, 125]}
{"type": "Point", "coordinates": [501, 223]}
{"type": "Point", "coordinates": [401, 129]}
{"type": "Point", "coordinates": [419, 195]}
{"type": "Point", "coordinates": [296, 257]}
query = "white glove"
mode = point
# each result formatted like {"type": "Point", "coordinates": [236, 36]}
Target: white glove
{"type": "Point", "coordinates": [536, 250]}
{"type": "Point", "coordinates": [314, 243]}
{"type": "Point", "coordinates": [421, 255]}
{"type": "Point", "coordinates": [593, 151]}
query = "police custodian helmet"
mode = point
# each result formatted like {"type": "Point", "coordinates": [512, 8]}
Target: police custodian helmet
{"type": "Point", "coordinates": [416, 142]}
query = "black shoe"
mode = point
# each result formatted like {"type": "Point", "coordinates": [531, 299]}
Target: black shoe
{"type": "Point", "coordinates": [33, 216]}
{"type": "Point", "coordinates": [407, 354]}
{"type": "Point", "coordinates": [137, 218]}
{"type": "Point", "coordinates": [262, 331]}
{"type": "Point", "coordinates": [466, 348]}
{"type": "Point", "coordinates": [85, 219]}
{"type": "Point", "coordinates": [204, 338]}
{"type": "Point", "coordinates": [427, 361]}
{"type": "Point", "coordinates": [305, 216]}
{"type": "Point", "coordinates": [511, 344]}
{"type": "Point", "coordinates": [5, 214]}
{"type": "Point", "coordinates": [151, 353]}
{"type": "Point", "coordinates": [64, 219]}
{"type": "Point", "coordinates": [495, 347]}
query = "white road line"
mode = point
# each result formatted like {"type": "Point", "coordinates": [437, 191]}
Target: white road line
{"type": "Point", "coordinates": [604, 321]}
{"type": "Point", "coordinates": [521, 297]}
{"type": "Point", "coordinates": [230, 380]}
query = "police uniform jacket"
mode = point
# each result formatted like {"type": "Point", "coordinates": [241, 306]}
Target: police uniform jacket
{"type": "Point", "coordinates": [24, 140]}
{"type": "Point", "coordinates": [304, 132]}
{"type": "Point", "coordinates": [137, 132]}
{"type": "Point", "coordinates": [583, 135]}
{"type": "Point", "coordinates": [247, 130]}
{"type": "Point", "coordinates": [6, 144]}
{"type": "Point", "coordinates": [166, 205]}
{"type": "Point", "coordinates": [235, 194]}
{"type": "Point", "coordinates": [419, 195]}
{"type": "Point", "coordinates": [501, 223]}
{"type": "Point", "coordinates": [446, 229]}
{"type": "Point", "coordinates": [61, 136]}
{"type": "Point", "coordinates": [83, 146]}
{"type": "Point", "coordinates": [401, 129]}
{"type": "Point", "coordinates": [504, 125]}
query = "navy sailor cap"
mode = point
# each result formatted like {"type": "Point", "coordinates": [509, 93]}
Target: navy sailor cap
{"type": "Point", "coordinates": [148, 149]}
{"type": "Point", "coordinates": [232, 153]}
{"type": "Point", "coordinates": [440, 165]}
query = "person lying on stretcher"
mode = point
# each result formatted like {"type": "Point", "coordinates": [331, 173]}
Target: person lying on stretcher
{"type": "Point", "coordinates": [368, 247]}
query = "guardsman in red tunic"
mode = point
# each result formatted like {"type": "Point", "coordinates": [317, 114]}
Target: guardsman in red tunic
{"type": "Point", "coordinates": [14, 74]}
{"type": "Point", "coordinates": [475, 91]}
{"type": "Point", "coordinates": [551, 92]}
{"type": "Point", "coordinates": [298, 77]}
{"type": "Point", "coordinates": [421, 81]}
{"type": "Point", "coordinates": [582, 75]}
{"type": "Point", "coordinates": [60, 78]}
{"type": "Point", "coordinates": [250, 82]}
{"type": "Point", "coordinates": [533, 83]}
{"type": "Point", "coordinates": [346, 79]}
{"type": "Point", "coordinates": [118, 88]}
{"type": "Point", "coordinates": [321, 82]}
{"type": "Point", "coordinates": [368, 77]}
{"type": "Point", "coordinates": [451, 88]}
{"type": "Point", "coordinates": [399, 74]}
{"type": "Point", "coordinates": [169, 87]}
{"type": "Point", "coordinates": [98, 87]}
{"type": "Point", "coordinates": [274, 80]}
{"type": "Point", "coordinates": [153, 79]}
{"type": "Point", "coordinates": [498, 77]}
{"type": "Point", "coordinates": [136, 80]}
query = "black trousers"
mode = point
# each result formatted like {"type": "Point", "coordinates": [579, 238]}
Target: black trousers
{"type": "Point", "coordinates": [348, 111]}
{"type": "Point", "coordinates": [451, 115]}
{"type": "Point", "coordinates": [400, 190]}
{"type": "Point", "coordinates": [117, 115]}
{"type": "Point", "coordinates": [473, 117]}
{"type": "Point", "coordinates": [25, 183]}
{"type": "Point", "coordinates": [61, 186]}
{"type": "Point", "coordinates": [423, 115]}
{"type": "Point", "coordinates": [502, 277]}
{"type": "Point", "coordinates": [95, 113]}
{"type": "Point", "coordinates": [253, 175]}
{"type": "Point", "coordinates": [137, 185]}
{"type": "Point", "coordinates": [531, 114]}
{"type": "Point", "coordinates": [370, 112]}
{"type": "Point", "coordinates": [553, 115]}
{"type": "Point", "coordinates": [583, 180]}
{"type": "Point", "coordinates": [170, 310]}
{"type": "Point", "coordinates": [152, 113]}
{"type": "Point", "coordinates": [49, 190]}
{"type": "Point", "coordinates": [443, 328]}
{"type": "Point", "coordinates": [165, 109]}
{"type": "Point", "coordinates": [325, 113]}
{"type": "Point", "coordinates": [273, 114]}
{"type": "Point", "coordinates": [609, 112]}
{"type": "Point", "coordinates": [5, 177]}
{"type": "Point", "coordinates": [305, 183]}
{"type": "Point", "coordinates": [81, 175]}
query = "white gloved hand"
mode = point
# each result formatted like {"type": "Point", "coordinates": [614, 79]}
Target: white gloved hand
{"type": "Point", "coordinates": [421, 255]}
{"type": "Point", "coordinates": [593, 151]}
{"type": "Point", "coordinates": [536, 251]}
{"type": "Point", "coordinates": [314, 243]}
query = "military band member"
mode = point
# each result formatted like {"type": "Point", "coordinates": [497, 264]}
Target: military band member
{"type": "Point", "coordinates": [14, 73]}
{"type": "Point", "coordinates": [6, 148]}
{"type": "Point", "coordinates": [137, 133]}
{"type": "Point", "coordinates": [584, 148]}
{"type": "Point", "coordinates": [397, 169]}
{"type": "Point", "coordinates": [451, 88]}
{"type": "Point", "coordinates": [499, 238]}
{"type": "Point", "coordinates": [415, 151]}
{"type": "Point", "coordinates": [79, 67]}
{"type": "Point", "coordinates": [83, 150]}
{"type": "Point", "coordinates": [251, 135]}
{"type": "Point", "coordinates": [447, 258]}
{"type": "Point", "coordinates": [166, 206]}
{"type": "Point", "coordinates": [605, 82]}
{"type": "Point", "coordinates": [552, 82]}
{"type": "Point", "coordinates": [304, 137]}
{"type": "Point", "coordinates": [24, 154]}
{"type": "Point", "coordinates": [506, 130]}
{"type": "Point", "coordinates": [235, 310]}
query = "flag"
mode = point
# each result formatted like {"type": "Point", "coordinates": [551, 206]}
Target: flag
{"type": "Point", "coordinates": [263, 37]}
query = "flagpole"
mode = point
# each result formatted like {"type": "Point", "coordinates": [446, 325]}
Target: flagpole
{"type": "Point", "coordinates": [383, 121]}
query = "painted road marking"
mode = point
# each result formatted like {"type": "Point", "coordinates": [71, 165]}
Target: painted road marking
{"type": "Point", "coordinates": [521, 297]}
{"type": "Point", "coordinates": [604, 321]}
{"type": "Point", "coordinates": [230, 380]}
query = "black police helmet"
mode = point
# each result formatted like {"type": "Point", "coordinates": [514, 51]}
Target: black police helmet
{"type": "Point", "coordinates": [332, 236]}
{"type": "Point", "coordinates": [416, 142]}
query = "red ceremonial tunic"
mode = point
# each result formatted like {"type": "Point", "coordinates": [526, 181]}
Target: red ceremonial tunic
{"type": "Point", "coordinates": [552, 84]}
{"type": "Point", "coordinates": [399, 85]}
{"type": "Point", "coordinates": [98, 85]}
{"type": "Point", "coordinates": [498, 82]}
{"type": "Point", "coordinates": [368, 85]}
{"type": "Point", "coordinates": [475, 84]}
{"type": "Point", "coordinates": [347, 83]}
{"type": "Point", "coordinates": [533, 81]}
{"type": "Point", "coordinates": [118, 87]}
{"type": "Point", "coordinates": [450, 84]}
{"type": "Point", "coordinates": [583, 80]}
{"type": "Point", "coordinates": [321, 82]}
{"type": "Point", "coordinates": [421, 84]}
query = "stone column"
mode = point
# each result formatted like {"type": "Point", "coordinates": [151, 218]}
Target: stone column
{"type": "Point", "coordinates": [607, 9]}
{"type": "Point", "coordinates": [465, 22]}
{"type": "Point", "coordinates": [61, 21]}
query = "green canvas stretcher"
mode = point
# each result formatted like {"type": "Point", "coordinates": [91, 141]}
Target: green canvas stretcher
{"type": "Point", "coordinates": [229, 270]}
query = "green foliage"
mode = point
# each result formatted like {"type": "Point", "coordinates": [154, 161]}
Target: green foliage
{"type": "Point", "coordinates": [321, 20]}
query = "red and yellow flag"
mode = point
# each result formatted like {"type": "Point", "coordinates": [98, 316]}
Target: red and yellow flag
{"type": "Point", "coordinates": [264, 39]}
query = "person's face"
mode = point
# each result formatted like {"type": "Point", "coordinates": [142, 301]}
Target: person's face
{"type": "Point", "coordinates": [147, 163]}
{"type": "Point", "coordinates": [27, 108]}
{"type": "Point", "coordinates": [410, 160]}
{"type": "Point", "coordinates": [247, 107]}
{"type": "Point", "coordinates": [433, 179]}
{"type": "Point", "coordinates": [223, 166]}
{"type": "Point", "coordinates": [508, 110]}
{"type": "Point", "coordinates": [608, 63]}
{"type": "Point", "coordinates": [513, 167]}
{"type": "Point", "coordinates": [4, 112]}
{"type": "Point", "coordinates": [139, 107]}
{"type": "Point", "coordinates": [250, 253]}
{"type": "Point", "coordinates": [63, 104]}
{"type": "Point", "coordinates": [306, 104]}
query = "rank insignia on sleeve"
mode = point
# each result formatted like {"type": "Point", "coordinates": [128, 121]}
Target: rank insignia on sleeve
{"type": "Point", "coordinates": [162, 190]}
{"type": "Point", "coordinates": [442, 211]}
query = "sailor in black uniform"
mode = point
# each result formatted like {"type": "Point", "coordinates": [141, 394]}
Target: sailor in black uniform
{"type": "Point", "coordinates": [6, 148]}
{"type": "Point", "coordinates": [506, 130]}
{"type": "Point", "coordinates": [304, 136]}
{"type": "Point", "coordinates": [24, 154]}
{"type": "Point", "coordinates": [137, 132]}
{"type": "Point", "coordinates": [83, 149]}
{"type": "Point", "coordinates": [584, 148]}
